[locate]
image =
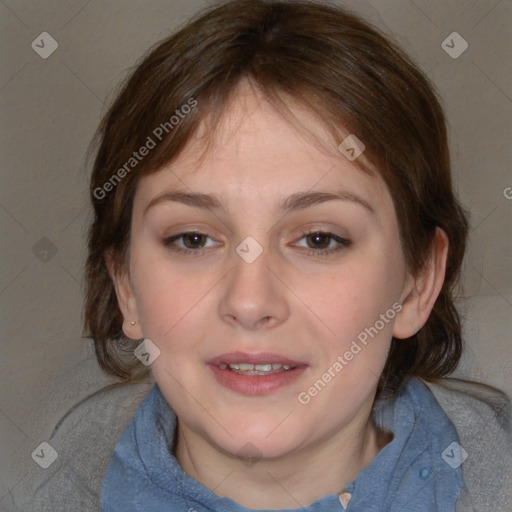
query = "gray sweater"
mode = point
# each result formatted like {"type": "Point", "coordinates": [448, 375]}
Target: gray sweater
{"type": "Point", "coordinates": [85, 437]}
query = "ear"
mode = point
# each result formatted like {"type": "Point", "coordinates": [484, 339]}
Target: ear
{"type": "Point", "coordinates": [420, 293]}
{"type": "Point", "coordinates": [125, 298]}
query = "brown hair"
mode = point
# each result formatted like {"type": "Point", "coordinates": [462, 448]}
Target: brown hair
{"type": "Point", "coordinates": [331, 61]}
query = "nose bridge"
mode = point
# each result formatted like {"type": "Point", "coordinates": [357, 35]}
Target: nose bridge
{"type": "Point", "coordinates": [252, 292]}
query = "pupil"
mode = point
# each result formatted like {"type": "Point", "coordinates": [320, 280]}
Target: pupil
{"type": "Point", "coordinates": [194, 238]}
{"type": "Point", "coordinates": [318, 238]}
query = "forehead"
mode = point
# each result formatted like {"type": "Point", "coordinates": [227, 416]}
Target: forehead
{"type": "Point", "coordinates": [256, 154]}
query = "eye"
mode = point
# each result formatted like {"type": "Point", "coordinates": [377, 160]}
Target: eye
{"type": "Point", "coordinates": [324, 243]}
{"type": "Point", "coordinates": [188, 242]}
{"type": "Point", "coordinates": [196, 243]}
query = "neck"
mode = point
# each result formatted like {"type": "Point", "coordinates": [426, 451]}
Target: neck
{"type": "Point", "coordinates": [294, 481]}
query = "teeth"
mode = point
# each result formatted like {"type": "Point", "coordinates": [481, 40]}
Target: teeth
{"type": "Point", "coordinates": [256, 369]}
{"type": "Point", "coordinates": [263, 367]}
{"type": "Point", "coordinates": [244, 367]}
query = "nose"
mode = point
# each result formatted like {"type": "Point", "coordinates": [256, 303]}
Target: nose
{"type": "Point", "coordinates": [253, 297]}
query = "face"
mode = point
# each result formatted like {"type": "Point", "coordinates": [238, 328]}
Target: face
{"type": "Point", "coordinates": [290, 256]}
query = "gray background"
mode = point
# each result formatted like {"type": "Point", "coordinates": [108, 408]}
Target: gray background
{"type": "Point", "coordinates": [51, 107]}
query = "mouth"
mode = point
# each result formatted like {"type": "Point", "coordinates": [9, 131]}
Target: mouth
{"type": "Point", "coordinates": [255, 374]}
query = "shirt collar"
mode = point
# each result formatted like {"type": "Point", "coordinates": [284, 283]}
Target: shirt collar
{"type": "Point", "coordinates": [412, 472]}
{"type": "Point", "coordinates": [415, 471]}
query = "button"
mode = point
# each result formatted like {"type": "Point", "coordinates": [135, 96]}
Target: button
{"type": "Point", "coordinates": [425, 472]}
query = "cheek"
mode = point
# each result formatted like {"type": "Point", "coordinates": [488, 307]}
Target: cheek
{"type": "Point", "coordinates": [173, 318]}
{"type": "Point", "coordinates": [356, 309]}
{"type": "Point", "coordinates": [352, 298]}
{"type": "Point", "coordinates": [168, 303]}
{"type": "Point", "coordinates": [175, 308]}
{"type": "Point", "coordinates": [163, 295]}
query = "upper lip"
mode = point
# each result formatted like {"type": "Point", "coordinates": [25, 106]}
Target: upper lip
{"type": "Point", "coordinates": [259, 358]}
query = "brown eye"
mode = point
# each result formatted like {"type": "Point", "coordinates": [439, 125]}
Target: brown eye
{"type": "Point", "coordinates": [190, 242]}
{"type": "Point", "coordinates": [194, 240]}
{"type": "Point", "coordinates": [318, 240]}
{"type": "Point", "coordinates": [321, 243]}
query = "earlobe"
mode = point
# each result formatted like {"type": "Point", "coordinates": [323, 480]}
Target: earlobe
{"type": "Point", "coordinates": [421, 292]}
{"type": "Point", "coordinates": [125, 298]}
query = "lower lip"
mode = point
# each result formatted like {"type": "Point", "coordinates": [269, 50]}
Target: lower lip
{"type": "Point", "coordinates": [255, 384]}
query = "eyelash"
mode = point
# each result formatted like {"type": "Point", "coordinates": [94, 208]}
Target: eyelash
{"type": "Point", "coordinates": [343, 243]}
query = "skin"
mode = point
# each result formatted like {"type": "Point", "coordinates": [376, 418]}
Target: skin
{"type": "Point", "coordinates": [288, 301]}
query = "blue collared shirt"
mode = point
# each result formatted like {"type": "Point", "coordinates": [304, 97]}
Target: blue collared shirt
{"type": "Point", "coordinates": [418, 471]}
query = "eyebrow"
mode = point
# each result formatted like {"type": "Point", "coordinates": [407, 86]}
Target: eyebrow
{"type": "Point", "coordinates": [297, 201]}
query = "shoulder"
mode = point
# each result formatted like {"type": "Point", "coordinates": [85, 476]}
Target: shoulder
{"type": "Point", "coordinates": [482, 416]}
{"type": "Point", "coordinates": [84, 440]}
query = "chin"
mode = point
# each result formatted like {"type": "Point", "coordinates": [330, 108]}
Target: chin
{"type": "Point", "coordinates": [253, 447]}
